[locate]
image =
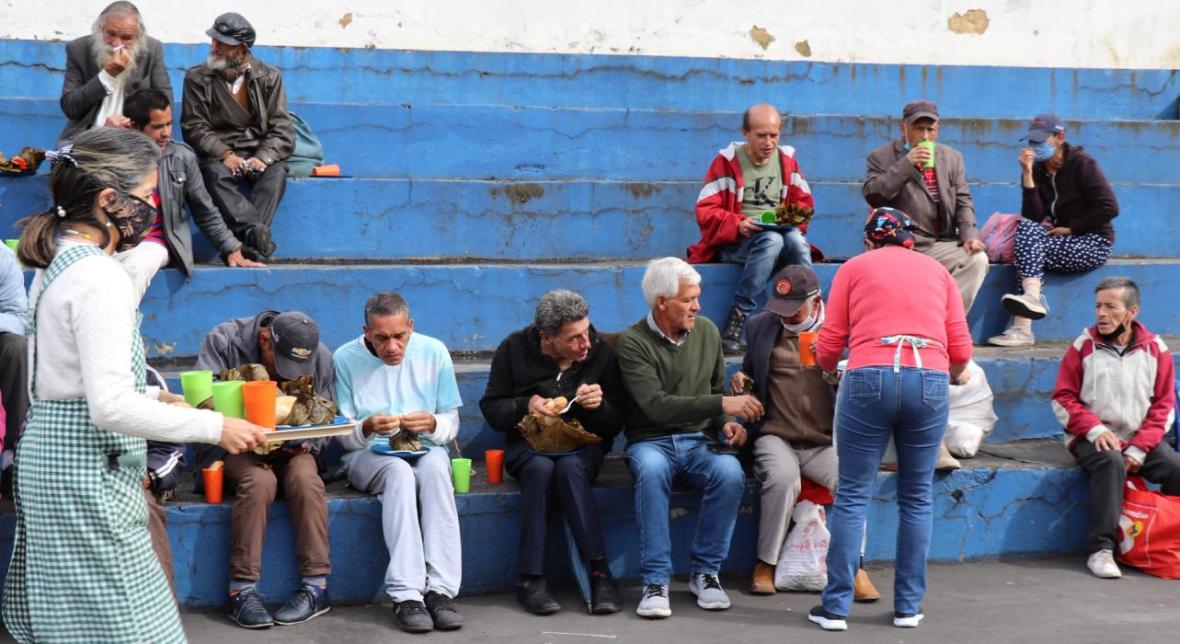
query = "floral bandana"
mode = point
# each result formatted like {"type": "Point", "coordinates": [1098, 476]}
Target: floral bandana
{"type": "Point", "coordinates": [889, 226]}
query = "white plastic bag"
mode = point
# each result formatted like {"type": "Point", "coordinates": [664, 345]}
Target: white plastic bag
{"type": "Point", "coordinates": [803, 563]}
{"type": "Point", "coordinates": [972, 416]}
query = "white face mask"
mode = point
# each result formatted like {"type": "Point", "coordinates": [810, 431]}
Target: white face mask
{"type": "Point", "coordinates": [811, 323]}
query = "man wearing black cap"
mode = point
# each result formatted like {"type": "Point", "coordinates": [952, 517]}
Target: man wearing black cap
{"type": "Point", "coordinates": [927, 181]}
{"type": "Point", "coordinates": [235, 117]}
{"type": "Point", "coordinates": [288, 345]}
{"type": "Point", "coordinates": [794, 439]}
{"type": "Point", "coordinates": [1067, 206]}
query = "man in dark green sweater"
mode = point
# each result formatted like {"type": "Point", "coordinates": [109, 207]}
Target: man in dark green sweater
{"type": "Point", "coordinates": [680, 427]}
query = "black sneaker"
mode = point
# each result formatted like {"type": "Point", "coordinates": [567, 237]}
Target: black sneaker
{"type": "Point", "coordinates": [731, 337]}
{"type": "Point", "coordinates": [604, 595]}
{"type": "Point", "coordinates": [247, 610]}
{"type": "Point", "coordinates": [442, 611]}
{"type": "Point", "coordinates": [307, 602]}
{"type": "Point", "coordinates": [411, 616]}
{"type": "Point", "coordinates": [827, 621]}
{"type": "Point", "coordinates": [534, 596]}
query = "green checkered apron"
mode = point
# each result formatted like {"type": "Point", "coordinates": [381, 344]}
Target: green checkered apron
{"type": "Point", "coordinates": [83, 569]}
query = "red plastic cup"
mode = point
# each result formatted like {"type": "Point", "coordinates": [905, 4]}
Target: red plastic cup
{"type": "Point", "coordinates": [806, 355]}
{"type": "Point", "coordinates": [214, 483]}
{"type": "Point", "coordinates": [259, 399]}
{"type": "Point", "coordinates": [494, 461]}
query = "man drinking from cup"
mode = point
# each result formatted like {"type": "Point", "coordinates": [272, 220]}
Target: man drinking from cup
{"type": "Point", "coordinates": [288, 346]}
{"type": "Point", "coordinates": [560, 354]}
{"type": "Point", "coordinates": [794, 439]}
{"type": "Point", "coordinates": [401, 384]}
{"type": "Point", "coordinates": [927, 181]}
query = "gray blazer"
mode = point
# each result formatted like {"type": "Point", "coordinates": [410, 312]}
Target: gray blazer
{"type": "Point", "coordinates": [82, 93]}
{"type": "Point", "coordinates": [180, 183]}
{"type": "Point", "coordinates": [893, 181]}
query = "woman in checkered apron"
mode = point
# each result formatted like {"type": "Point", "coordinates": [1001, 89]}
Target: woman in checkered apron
{"type": "Point", "coordinates": [83, 569]}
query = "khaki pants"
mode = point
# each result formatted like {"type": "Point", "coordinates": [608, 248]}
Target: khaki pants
{"type": "Point", "coordinates": [158, 528]}
{"type": "Point", "coordinates": [968, 270]}
{"type": "Point", "coordinates": [256, 479]}
{"type": "Point", "coordinates": [780, 469]}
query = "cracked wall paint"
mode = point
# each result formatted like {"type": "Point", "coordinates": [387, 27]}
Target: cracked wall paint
{"type": "Point", "coordinates": [1058, 33]}
{"type": "Point", "coordinates": [761, 37]}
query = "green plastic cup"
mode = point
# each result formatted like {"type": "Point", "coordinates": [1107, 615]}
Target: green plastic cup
{"type": "Point", "coordinates": [930, 146]}
{"type": "Point", "coordinates": [227, 398]}
{"type": "Point", "coordinates": [461, 475]}
{"type": "Point", "coordinates": [12, 243]}
{"type": "Point", "coordinates": [197, 386]}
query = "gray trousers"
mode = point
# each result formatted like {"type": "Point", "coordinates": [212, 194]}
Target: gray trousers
{"type": "Point", "coordinates": [967, 270]}
{"type": "Point", "coordinates": [418, 519]}
{"type": "Point", "coordinates": [780, 469]}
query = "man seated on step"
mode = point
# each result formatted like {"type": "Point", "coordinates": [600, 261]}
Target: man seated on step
{"type": "Point", "coordinates": [1116, 397]}
{"type": "Point", "coordinates": [402, 386]}
{"type": "Point", "coordinates": [288, 346]}
{"type": "Point", "coordinates": [681, 428]}
{"type": "Point", "coordinates": [559, 354]}
{"type": "Point", "coordinates": [794, 439]}
{"type": "Point", "coordinates": [928, 181]}
{"type": "Point", "coordinates": [116, 59]}
{"type": "Point", "coordinates": [150, 111]}
{"type": "Point", "coordinates": [746, 179]}
{"type": "Point", "coordinates": [235, 117]}
{"type": "Point", "coordinates": [1065, 224]}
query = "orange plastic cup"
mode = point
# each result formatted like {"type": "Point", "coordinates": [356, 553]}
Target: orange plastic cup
{"type": "Point", "coordinates": [494, 461]}
{"type": "Point", "coordinates": [259, 399]}
{"type": "Point", "coordinates": [214, 482]}
{"type": "Point", "coordinates": [806, 355]}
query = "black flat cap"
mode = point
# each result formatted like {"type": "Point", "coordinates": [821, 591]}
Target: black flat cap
{"type": "Point", "coordinates": [232, 29]}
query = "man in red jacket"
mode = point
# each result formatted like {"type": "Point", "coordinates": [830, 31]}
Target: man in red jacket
{"type": "Point", "coordinates": [1115, 396]}
{"type": "Point", "coordinates": [745, 180]}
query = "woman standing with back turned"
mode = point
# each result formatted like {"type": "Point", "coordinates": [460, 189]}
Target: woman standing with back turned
{"type": "Point", "coordinates": [82, 566]}
{"type": "Point", "coordinates": [902, 317]}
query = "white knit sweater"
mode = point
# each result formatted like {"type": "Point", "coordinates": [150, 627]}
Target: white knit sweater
{"type": "Point", "coordinates": [85, 328]}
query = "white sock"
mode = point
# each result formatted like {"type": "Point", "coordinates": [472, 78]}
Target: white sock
{"type": "Point", "coordinates": [1031, 286]}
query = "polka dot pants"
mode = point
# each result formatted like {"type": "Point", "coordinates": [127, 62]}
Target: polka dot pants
{"type": "Point", "coordinates": [1038, 252]}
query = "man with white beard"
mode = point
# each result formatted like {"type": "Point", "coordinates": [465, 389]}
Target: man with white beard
{"type": "Point", "coordinates": [234, 116]}
{"type": "Point", "coordinates": [116, 59]}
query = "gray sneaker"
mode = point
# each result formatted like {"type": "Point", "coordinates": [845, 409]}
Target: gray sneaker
{"type": "Point", "coordinates": [654, 604]}
{"type": "Point", "coordinates": [708, 591]}
{"type": "Point", "coordinates": [1025, 306]}
{"type": "Point", "coordinates": [1013, 337]}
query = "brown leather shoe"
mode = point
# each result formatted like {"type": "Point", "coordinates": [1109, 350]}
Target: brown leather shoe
{"type": "Point", "coordinates": [863, 589]}
{"type": "Point", "coordinates": [762, 580]}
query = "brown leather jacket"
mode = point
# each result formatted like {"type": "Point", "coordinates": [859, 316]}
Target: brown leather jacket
{"type": "Point", "coordinates": [213, 123]}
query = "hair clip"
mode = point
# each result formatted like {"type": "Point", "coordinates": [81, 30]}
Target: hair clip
{"type": "Point", "coordinates": [61, 212]}
{"type": "Point", "coordinates": [64, 152]}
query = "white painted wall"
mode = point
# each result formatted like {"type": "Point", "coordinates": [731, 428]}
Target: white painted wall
{"type": "Point", "coordinates": [1053, 33]}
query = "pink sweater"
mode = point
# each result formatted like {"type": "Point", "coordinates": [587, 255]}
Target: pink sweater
{"type": "Point", "coordinates": [893, 291]}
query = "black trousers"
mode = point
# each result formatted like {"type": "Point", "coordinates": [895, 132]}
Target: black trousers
{"type": "Point", "coordinates": [1108, 474]}
{"type": "Point", "coordinates": [240, 212]}
{"type": "Point", "coordinates": [14, 385]}
{"type": "Point", "coordinates": [569, 478]}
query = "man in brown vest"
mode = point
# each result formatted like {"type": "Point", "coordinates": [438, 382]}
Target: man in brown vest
{"type": "Point", "coordinates": [235, 118]}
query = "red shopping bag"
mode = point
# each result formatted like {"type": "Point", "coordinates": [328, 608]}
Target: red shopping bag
{"type": "Point", "coordinates": [1149, 530]}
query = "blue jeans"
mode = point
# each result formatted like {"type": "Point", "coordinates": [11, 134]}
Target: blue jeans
{"type": "Point", "coordinates": [875, 404]}
{"type": "Point", "coordinates": [655, 464]}
{"type": "Point", "coordinates": [763, 254]}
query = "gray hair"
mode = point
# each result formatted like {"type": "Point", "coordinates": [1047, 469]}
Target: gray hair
{"type": "Point", "coordinates": [558, 308]}
{"type": "Point", "coordinates": [1130, 288]}
{"type": "Point", "coordinates": [119, 8]}
{"type": "Point", "coordinates": [664, 276]}
{"type": "Point", "coordinates": [385, 303]}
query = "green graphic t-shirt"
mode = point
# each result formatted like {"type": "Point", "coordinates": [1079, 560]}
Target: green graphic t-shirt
{"type": "Point", "coordinates": [762, 186]}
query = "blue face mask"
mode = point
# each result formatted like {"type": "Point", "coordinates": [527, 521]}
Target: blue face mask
{"type": "Point", "coordinates": [1043, 151]}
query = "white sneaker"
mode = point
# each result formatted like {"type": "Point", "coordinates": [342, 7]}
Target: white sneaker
{"type": "Point", "coordinates": [1025, 306]}
{"type": "Point", "coordinates": [1102, 564]}
{"type": "Point", "coordinates": [826, 620]}
{"type": "Point", "coordinates": [907, 621]}
{"type": "Point", "coordinates": [708, 592]}
{"type": "Point", "coordinates": [1013, 337]}
{"type": "Point", "coordinates": [654, 604]}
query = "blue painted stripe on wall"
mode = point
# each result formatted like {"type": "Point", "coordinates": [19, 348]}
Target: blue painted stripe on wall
{"type": "Point", "coordinates": [34, 68]}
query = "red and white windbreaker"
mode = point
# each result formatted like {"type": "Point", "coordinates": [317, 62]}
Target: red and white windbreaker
{"type": "Point", "coordinates": [719, 204]}
{"type": "Point", "coordinates": [1132, 394]}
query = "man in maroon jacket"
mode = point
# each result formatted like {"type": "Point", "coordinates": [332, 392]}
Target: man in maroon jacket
{"type": "Point", "coordinates": [1115, 397]}
{"type": "Point", "coordinates": [745, 180]}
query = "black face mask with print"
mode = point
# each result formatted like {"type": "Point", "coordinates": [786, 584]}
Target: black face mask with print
{"type": "Point", "coordinates": [134, 218]}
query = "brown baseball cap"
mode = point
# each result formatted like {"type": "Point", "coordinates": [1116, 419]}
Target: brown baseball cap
{"type": "Point", "coordinates": [919, 109]}
{"type": "Point", "coordinates": [790, 288]}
